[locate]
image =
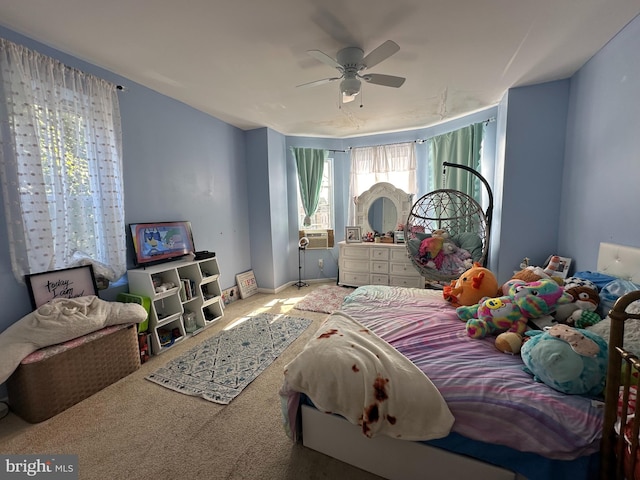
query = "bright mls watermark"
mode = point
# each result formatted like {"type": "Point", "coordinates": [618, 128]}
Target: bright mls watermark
{"type": "Point", "coordinates": [50, 467]}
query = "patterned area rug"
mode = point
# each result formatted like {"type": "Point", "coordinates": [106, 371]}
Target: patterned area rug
{"type": "Point", "coordinates": [219, 368]}
{"type": "Point", "coordinates": [325, 299]}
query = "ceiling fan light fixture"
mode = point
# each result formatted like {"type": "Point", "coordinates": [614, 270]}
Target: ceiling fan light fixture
{"type": "Point", "coordinates": [350, 87]}
{"type": "Point", "coordinates": [348, 98]}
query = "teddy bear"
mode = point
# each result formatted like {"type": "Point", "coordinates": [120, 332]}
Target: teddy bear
{"type": "Point", "coordinates": [472, 286]}
{"type": "Point", "coordinates": [568, 359]}
{"type": "Point", "coordinates": [511, 312]}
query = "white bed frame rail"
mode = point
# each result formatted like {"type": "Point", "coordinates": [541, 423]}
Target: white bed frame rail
{"type": "Point", "coordinates": [389, 457]}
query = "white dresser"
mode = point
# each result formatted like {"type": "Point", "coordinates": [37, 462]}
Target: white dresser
{"type": "Point", "coordinates": [371, 263]}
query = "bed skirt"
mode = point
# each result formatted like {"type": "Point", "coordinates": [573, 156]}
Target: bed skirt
{"type": "Point", "coordinates": [55, 378]}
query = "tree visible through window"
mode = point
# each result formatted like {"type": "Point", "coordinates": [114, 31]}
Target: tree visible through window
{"type": "Point", "coordinates": [323, 218]}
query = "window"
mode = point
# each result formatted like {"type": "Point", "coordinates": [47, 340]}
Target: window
{"type": "Point", "coordinates": [61, 168]}
{"type": "Point", "coordinates": [323, 218]}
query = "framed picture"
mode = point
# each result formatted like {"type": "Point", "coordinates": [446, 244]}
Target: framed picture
{"type": "Point", "coordinates": [247, 285]}
{"type": "Point", "coordinates": [562, 269]}
{"type": "Point", "coordinates": [67, 283]}
{"type": "Point", "coordinates": [353, 235]}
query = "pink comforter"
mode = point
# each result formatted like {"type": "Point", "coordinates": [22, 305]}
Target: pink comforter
{"type": "Point", "coordinates": [490, 396]}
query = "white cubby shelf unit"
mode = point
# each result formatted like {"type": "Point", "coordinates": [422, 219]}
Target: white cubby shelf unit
{"type": "Point", "coordinates": [186, 286]}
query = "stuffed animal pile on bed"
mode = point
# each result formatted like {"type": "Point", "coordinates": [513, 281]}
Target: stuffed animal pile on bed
{"type": "Point", "coordinates": [568, 359]}
{"type": "Point", "coordinates": [511, 312]}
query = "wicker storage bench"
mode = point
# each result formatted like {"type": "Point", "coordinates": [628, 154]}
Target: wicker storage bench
{"type": "Point", "coordinates": [54, 378]}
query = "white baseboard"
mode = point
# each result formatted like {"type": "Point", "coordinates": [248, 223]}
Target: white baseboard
{"type": "Point", "coordinates": [293, 282]}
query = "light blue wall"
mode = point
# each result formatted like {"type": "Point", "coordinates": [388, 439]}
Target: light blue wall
{"type": "Point", "coordinates": [261, 249]}
{"type": "Point", "coordinates": [528, 177]}
{"type": "Point", "coordinates": [601, 181]}
{"type": "Point", "coordinates": [181, 164]}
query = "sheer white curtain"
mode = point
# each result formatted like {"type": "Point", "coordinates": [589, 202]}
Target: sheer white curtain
{"type": "Point", "coordinates": [60, 165]}
{"type": "Point", "coordinates": [395, 164]}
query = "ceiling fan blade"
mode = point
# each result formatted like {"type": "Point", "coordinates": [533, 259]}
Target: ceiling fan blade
{"type": "Point", "coordinates": [318, 82]}
{"type": "Point", "coordinates": [385, 80]}
{"type": "Point", "coordinates": [324, 58]}
{"type": "Point", "coordinates": [381, 53]}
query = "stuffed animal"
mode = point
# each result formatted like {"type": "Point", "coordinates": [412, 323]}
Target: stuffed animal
{"type": "Point", "coordinates": [455, 260]}
{"type": "Point", "coordinates": [509, 342]}
{"type": "Point", "coordinates": [567, 359]}
{"type": "Point", "coordinates": [584, 298]}
{"type": "Point", "coordinates": [584, 318]}
{"type": "Point", "coordinates": [471, 287]}
{"type": "Point", "coordinates": [511, 312]}
{"type": "Point", "coordinates": [528, 274]}
{"type": "Point", "coordinates": [430, 246]}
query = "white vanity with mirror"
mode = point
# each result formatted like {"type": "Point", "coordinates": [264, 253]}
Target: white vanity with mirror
{"type": "Point", "coordinates": [381, 208]}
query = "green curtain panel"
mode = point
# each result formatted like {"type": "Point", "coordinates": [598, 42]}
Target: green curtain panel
{"type": "Point", "coordinates": [310, 165]}
{"type": "Point", "coordinates": [462, 147]}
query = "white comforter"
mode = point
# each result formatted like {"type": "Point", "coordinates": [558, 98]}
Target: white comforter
{"type": "Point", "coordinates": [60, 320]}
{"type": "Point", "coordinates": [348, 370]}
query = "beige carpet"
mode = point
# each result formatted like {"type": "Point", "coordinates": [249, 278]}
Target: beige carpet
{"type": "Point", "coordinates": [135, 429]}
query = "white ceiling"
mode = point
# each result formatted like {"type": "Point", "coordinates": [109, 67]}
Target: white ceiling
{"type": "Point", "coordinates": [240, 60]}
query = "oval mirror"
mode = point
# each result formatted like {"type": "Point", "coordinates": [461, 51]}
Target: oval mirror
{"type": "Point", "coordinates": [383, 215]}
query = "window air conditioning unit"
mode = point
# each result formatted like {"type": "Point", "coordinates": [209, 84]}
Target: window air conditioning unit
{"type": "Point", "coordinates": [318, 238]}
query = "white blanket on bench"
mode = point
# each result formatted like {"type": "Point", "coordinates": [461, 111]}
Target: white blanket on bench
{"type": "Point", "coordinates": [58, 321]}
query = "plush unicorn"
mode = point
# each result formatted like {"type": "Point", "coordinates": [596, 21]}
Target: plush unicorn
{"type": "Point", "coordinates": [511, 312]}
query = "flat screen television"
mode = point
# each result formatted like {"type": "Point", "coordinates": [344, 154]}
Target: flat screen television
{"type": "Point", "coordinates": [161, 241]}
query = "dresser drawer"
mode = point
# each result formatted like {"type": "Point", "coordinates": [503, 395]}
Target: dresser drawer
{"type": "Point", "coordinates": [405, 269]}
{"type": "Point", "coordinates": [354, 279]}
{"type": "Point", "coordinates": [379, 267]}
{"type": "Point", "coordinates": [355, 252]}
{"type": "Point", "coordinates": [399, 281]}
{"type": "Point", "coordinates": [400, 256]}
{"type": "Point", "coordinates": [355, 265]}
{"type": "Point", "coordinates": [379, 253]}
{"type": "Point", "coordinates": [379, 279]}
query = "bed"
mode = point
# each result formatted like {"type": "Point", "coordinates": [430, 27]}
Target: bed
{"type": "Point", "coordinates": [506, 426]}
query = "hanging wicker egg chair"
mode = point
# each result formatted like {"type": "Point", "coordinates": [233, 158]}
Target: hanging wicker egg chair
{"type": "Point", "coordinates": [446, 232]}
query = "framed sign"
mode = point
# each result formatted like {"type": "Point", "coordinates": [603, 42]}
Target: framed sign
{"type": "Point", "coordinates": [67, 283]}
{"type": "Point", "coordinates": [353, 235]}
{"type": "Point", "coordinates": [247, 284]}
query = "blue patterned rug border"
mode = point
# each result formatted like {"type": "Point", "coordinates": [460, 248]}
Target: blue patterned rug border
{"type": "Point", "coordinates": [219, 368]}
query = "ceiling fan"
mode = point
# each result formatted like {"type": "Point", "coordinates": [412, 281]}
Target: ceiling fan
{"type": "Point", "coordinates": [352, 63]}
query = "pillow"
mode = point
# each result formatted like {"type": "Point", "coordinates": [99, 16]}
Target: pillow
{"type": "Point", "coordinates": [612, 291]}
{"type": "Point", "coordinates": [600, 279]}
